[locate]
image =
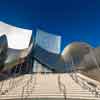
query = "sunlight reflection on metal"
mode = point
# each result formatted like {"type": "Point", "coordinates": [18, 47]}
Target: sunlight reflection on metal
{"type": "Point", "coordinates": [48, 41]}
{"type": "Point", "coordinates": [18, 38]}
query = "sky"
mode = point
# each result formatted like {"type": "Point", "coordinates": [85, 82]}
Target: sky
{"type": "Point", "coordinates": [74, 20]}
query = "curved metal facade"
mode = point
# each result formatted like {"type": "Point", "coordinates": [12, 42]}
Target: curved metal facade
{"type": "Point", "coordinates": [47, 51]}
{"type": "Point", "coordinates": [18, 45]}
{"type": "Point", "coordinates": [18, 38]}
{"type": "Point", "coordinates": [49, 42]}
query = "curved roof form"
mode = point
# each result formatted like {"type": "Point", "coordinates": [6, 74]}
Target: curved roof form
{"type": "Point", "coordinates": [83, 58]}
{"type": "Point", "coordinates": [18, 38]}
{"type": "Point", "coordinates": [75, 52]}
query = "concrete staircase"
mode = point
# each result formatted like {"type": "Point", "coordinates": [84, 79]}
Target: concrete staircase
{"type": "Point", "coordinates": [43, 86]}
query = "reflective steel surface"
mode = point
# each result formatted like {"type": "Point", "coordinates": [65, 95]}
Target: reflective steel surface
{"type": "Point", "coordinates": [18, 38]}
{"type": "Point", "coordinates": [49, 42]}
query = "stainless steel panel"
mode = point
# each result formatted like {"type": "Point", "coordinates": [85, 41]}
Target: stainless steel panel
{"type": "Point", "coordinates": [48, 41]}
{"type": "Point", "coordinates": [18, 38]}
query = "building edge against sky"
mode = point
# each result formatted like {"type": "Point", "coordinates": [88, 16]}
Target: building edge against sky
{"type": "Point", "coordinates": [47, 48]}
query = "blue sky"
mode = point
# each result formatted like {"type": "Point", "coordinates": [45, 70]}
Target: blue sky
{"type": "Point", "coordinates": [74, 20]}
